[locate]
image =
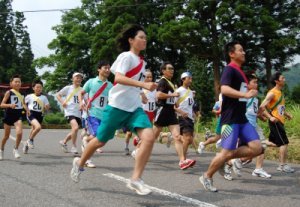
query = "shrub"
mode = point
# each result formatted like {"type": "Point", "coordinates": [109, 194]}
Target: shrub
{"type": "Point", "coordinates": [55, 118]}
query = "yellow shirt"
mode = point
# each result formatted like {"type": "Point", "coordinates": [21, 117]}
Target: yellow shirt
{"type": "Point", "coordinates": [278, 111]}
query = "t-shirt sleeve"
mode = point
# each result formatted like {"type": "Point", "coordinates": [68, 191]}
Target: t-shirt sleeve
{"type": "Point", "coordinates": [46, 101]}
{"type": "Point", "coordinates": [64, 91]}
{"type": "Point", "coordinates": [123, 64]}
{"type": "Point", "coordinates": [227, 75]}
{"type": "Point", "coordinates": [27, 99]}
{"type": "Point", "coordinates": [87, 87]}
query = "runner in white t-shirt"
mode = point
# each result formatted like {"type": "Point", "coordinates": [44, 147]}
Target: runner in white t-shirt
{"type": "Point", "coordinates": [71, 106]}
{"type": "Point", "coordinates": [37, 105]}
{"type": "Point", "coordinates": [124, 108]}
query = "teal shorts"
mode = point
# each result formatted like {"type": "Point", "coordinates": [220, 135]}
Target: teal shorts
{"type": "Point", "coordinates": [218, 127]}
{"type": "Point", "coordinates": [114, 119]}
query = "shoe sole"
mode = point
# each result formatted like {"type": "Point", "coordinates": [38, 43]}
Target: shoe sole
{"type": "Point", "coordinates": [137, 191]}
{"type": "Point", "coordinates": [190, 165]}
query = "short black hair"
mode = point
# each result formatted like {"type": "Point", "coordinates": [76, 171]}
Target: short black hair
{"type": "Point", "coordinates": [275, 77]}
{"type": "Point", "coordinates": [164, 65]}
{"type": "Point", "coordinates": [102, 63]}
{"type": "Point", "coordinates": [15, 76]}
{"type": "Point", "coordinates": [129, 32]}
{"type": "Point", "coordinates": [37, 82]}
{"type": "Point", "coordinates": [228, 48]}
{"type": "Point", "coordinates": [251, 76]}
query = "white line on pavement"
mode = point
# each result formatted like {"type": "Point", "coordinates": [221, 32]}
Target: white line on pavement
{"type": "Point", "coordinates": [165, 193]}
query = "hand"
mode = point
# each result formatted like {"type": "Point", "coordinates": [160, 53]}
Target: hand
{"type": "Point", "coordinates": [260, 111]}
{"type": "Point", "coordinates": [13, 106]}
{"type": "Point", "coordinates": [28, 112]}
{"type": "Point", "coordinates": [184, 115]}
{"type": "Point", "coordinates": [273, 119]}
{"type": "Point", "coordinates": [251, 93]}
{"type": "Point", "coordinates": [144, 98]}
{"type": "Point", "coordinates": [151, 86]}
{"type": "Point", "coordinates": [175, 94]}
{"type": "Point", "coordinates": [82, 106]}
{"type": "Point", "coordinates": [64, 104]}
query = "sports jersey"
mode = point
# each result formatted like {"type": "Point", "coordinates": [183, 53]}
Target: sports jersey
{"type": "Point", "coordinates": [233, 109]}
{"type": "Point", "coordinates": [121, 96]}
{"type": "Point", "coordinates": [98, 105]}
{"type": "Point", "coordinates": [165, 86]}
{"type": "Point", "coordinates": [186, 105]}
{"type": "Point", "coordinates": [72, 108]}
{"type": "Point", "coordinates": [278, 111]}
{"type": "Point", "coordinates": [33, 104]}
{"type": "Point", "coordinates": [14, 99]}
{"type": "Point", "coordinates": [150, 106]}
{"type": "Point", "coordinates": [251, 113]}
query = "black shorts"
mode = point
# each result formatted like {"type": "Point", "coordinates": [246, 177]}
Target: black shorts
{"type": "Point", "coordinates": [277, 134]}
{"type": "Point", "coordinates": [186, 125]}
{"type": "Point", "coordinates": [35, 115]}
{"type": "Point", "coordinates": [78, 120]}
{"type": "Point", "coordinates": [11, 118]}
{"type": "Point", "coordinates": [165, 116]}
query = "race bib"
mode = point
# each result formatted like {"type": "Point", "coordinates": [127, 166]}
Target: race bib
{"type": "Point", "coordinates": [281, 109]}
{"type": "Point", "coordinates": [171, 100]}
{"type": "Point", "coordinates": [150, 106]}
{"type": "Point", "coordinates": [243, 89]}
{"type": "Point", "coordinates": [100, 102]}
{"type": "Point", "coordinates": [15, 100]}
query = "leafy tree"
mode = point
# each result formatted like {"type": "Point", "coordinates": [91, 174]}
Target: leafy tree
{"type": "Point", "coordinates": [296, 94]}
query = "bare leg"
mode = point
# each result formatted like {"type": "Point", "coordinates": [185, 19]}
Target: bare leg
{"type": "Point", "coordinates": [74, 131]}
{"type": "Point", "coordinates": [7, 130]}
{"type": "Point", "coordinates": [174, 129]}
{"type": "Point", "coordinates": [19, 132]}
{"type": "Point", "coordinates": [35, 129]}
{"type": "Point", "coordinates": [283, 154]}
{"type": "Point", "coordinates": [91, 147]}
{"type": "Point", "coordinates": [187, 139]}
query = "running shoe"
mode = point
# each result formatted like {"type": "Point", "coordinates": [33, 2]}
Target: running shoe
{"type": "Point", "coordinates": [16, 153]}
{"type": "Point", "coordinates": [76, 170]}
{"type": "Point", "coordinates": [64, 146]}
{"type": "Point", "coordinates": [30, 143]}
{"type": "Point", "coordinates": [127, 151]}
{"type": "Point", "coordinates": [1, 154]}
{"type": "Point", "coordinates": [90, 164]}
{"type": "Point", "coordinates": [160, 138]}
{"type": "Point", "coordinates": [201, 148]}
{"type": "Point", "coordinates": [99, 150]}
{"type": "Point", "coordinates": [25, 148]}
{"type": "Point", "coordinates": [186, 164]}
{"type": "Point", "coordinates": [218, 144]}
{"type": "Point", "coordinates": [208, 134]}
{"type": "Point", "coordinates": [227, 170]}
{"type": "Point", "coordinates": [261, 173]}
{"type": "Point", "coordinates": [74, 150]}
{"type": "Point", "coordinates": [133, 153]}
{"type": "Point", "coordinates": [228, 177]}
{"type": "Point", "coordinates": [207, 184]}
{"type": "Point", "coordinates": [238, 163]}
{"type": "Point", "coordinates": [136, 141]}
{"type": "Point", "coordinates": [139, 187]}
{"type": "Point", "coordinates": [170, 138]}
{"type": "Point", "coordinates": [285, 168]}
{"type": "Point", "coordinates": [235, 167]}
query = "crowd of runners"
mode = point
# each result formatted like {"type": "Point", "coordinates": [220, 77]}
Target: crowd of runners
{"type": "Point", "coordinates": [137, 104]}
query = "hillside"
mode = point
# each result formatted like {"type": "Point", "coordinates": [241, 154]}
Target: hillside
{"type": "Point", "coordinates": [293, 76]}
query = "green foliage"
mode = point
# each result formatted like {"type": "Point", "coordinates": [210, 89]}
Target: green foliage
{"type": "Point", "coordinates": [296, 94]}
{"type": "Point", "coordinates": [55, 118]}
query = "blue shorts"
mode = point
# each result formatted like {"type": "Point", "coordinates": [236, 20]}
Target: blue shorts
{"type": "Point", "coordinates": [92, 124]}
{"type": "Point", "coordinates": [231, 133]}
{"type": "Point", "coordinates": [114, 118]}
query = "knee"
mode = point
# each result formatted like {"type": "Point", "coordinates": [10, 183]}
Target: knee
{"type": "Point", "coordinates": [38, 128]}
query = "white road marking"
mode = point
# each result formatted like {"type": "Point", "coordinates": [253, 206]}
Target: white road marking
{"type": "Point", "coordinates": [13, 138]}
{"type": "Point", "coordinates": [165, 193]}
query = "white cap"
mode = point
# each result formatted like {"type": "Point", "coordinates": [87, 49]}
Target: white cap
{"type": "Point", "coordinates": [76, 74]}
{"type": "Point", "coordinates": [185, 74]}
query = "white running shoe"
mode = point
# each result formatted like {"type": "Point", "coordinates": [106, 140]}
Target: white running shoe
{"type": "Point", "coordinates": [169, 141]}
{"type": "Point", "coordinates": [90, 164]}
{"type": "Point", "coordinates": [218, 144]}
{"type": "Point", "coordinates": [228, 177]}
{"type": "Point", "coordinates": [285, 168]}
{"type": "Point", "coordinates": [139, 187]}
{"type": "Point", "coordinates": [30, 143]}
{"type": "Point", "coordinates": [25, 148]}
{"type": "Point", "coordinates": [64, 146]}
{"type": "Point", "coordinates": [74, 150]}
{"type": "Point", "coordinates": [133, 153]}
{"type": "Point", "coordinates": [208, 184]}
{"type": "Point", "coordinates": [76, 171]}
{"type": "Point", "coordinates": [236, 166]}
{"type": "Point", "coordinates": [1, 154]}
{"type": "Point", "coordinates": [261, 173]}
{"type": "Point", "coordinates": [16, 153]}
{"type": "Point", "coordinates": [201, 148]}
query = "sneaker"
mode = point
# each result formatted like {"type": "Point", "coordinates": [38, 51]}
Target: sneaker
{"type": "Point", "coordinates": [238, 163]}
{"type": "Point", "coordinates": [127, 151]}
{"type": "Point", "coordinates": [207, 184]}
{"type": "Point", "coordinates": [201, 148]}
{"type": "Point", "coordinates": [133, 153]}
{"type": "Point", "coordinates": [236, 166]}
{"type": "Point", "coordinates": [16, 153]}
{"type": "Point", "coordinates": [74, 150]}
{"type": "Point", "coordinates": [136, 141]}
{"type": "Point", "coordinates": [227, 168]}
{"type": "Point", "coordinates": [76, 170]}
{"type": "Point", "coordinates": [218, 144]}
{"type": "Point", "coordinates": [227, 176]}
{"type": "Point", "coordinates": [170, 138]}
{"type": "Point", "coordinates": [25, 148]}
{"type": "Point", "coordinates": [1, 154]}
{"type": "Point", "coordinates": [64, 146]}
{"type": "Point", "coordinates": [90, 164]}
{"type": "Point", "coordinates": [285, 168]}
{"type": "Point", "coordinates": [160, 138]}
{"type": "Point", "coordinates": [261, 173]}
{"type": "Point", "coordinates": [139, 187]}
{"type": "Point", "coordinates": [99, 150]}
{"type": "Point", "coordinates": [186, 164]}
{"type": "Point", "coordinates": [208, 134]}
{"type": "Point", "coordinates": [30, 143]}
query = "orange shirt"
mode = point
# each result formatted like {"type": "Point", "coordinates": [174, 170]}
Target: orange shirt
{"type": "Point", "coordinates": [278, 111]}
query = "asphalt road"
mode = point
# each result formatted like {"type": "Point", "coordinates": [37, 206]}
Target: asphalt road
{"type": "Point", "coordinates": [41, 178]}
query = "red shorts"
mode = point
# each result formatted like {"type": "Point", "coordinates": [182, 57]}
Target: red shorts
{"type": "Point", "coordinates": [151, 115]}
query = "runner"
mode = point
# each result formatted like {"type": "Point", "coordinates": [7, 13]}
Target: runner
{"type": "Point", "coordinates": [72, 110]}
{"type": "Point", "coordinates": [184, 109]}
{"type": "Point", "coordinates": [37, 104]}
{"type": "Point", "coordinates": [14, 105]}
{"type": "Point", "coordinates": [274, 108]}
{"type": "Point", "coordinates": [166, 116]}
{"type": "Point", "coordinates": [124, 107]}
{"type": "Point", "coordinates": [97, 89]}
{"type": "Point", "coordinates": [233, 118]}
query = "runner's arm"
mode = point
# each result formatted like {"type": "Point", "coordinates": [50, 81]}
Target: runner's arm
{"type": "Point", "coordinates": [4, 105]}
{"type": "Point", "coordinates": [122, 79]}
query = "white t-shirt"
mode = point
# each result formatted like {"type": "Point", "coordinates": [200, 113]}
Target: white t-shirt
{"type": "Point", "coordinates": [251, 112]}
{"type": "Point", "coordinates": [187, 104]}
{"type": "Point", "coordinates": [150, 106]}
{"type": "Point", "coordinates": [72, 108]}
{"type": "Point", "coordinates": [126, 98]}
{"type": "Point", "coordinates": [34, 105]}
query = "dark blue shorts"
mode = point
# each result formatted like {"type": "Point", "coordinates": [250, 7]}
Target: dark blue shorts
{"type": "Point", "coordinates": [231, 133]}
{"type": "Point", "coordinates": [92, 124]}
{"type": "Point", "coordinates": [35, 115]}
